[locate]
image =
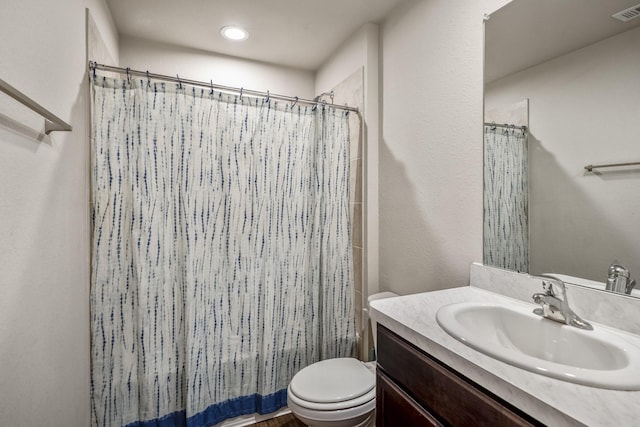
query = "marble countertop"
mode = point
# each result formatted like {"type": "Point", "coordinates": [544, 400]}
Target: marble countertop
{"type": "Point", "coordinates": [553, 402]}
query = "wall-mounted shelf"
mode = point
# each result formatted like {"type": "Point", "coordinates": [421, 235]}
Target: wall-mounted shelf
{"type": "Point", "coordinates": [52, 122]}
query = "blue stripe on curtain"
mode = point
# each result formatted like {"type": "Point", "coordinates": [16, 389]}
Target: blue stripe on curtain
{"type": "Point", "coordinates": [217, 413]}
{"type": "Point", "coordinates": [221, 251]}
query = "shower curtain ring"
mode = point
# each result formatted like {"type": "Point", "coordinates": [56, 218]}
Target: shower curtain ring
{"type": "Point", "coordinates": [268, 96]}
{"type": "Point", "coordinates": [294, 102]}
{"type": "Point", "coordinates": [241, 90]}
{"type": "Point", "coordinates": [148, 79]}
{"type": "Point", "coordinates": [128, 75]}
{"type": "Point", "coordinates": [179, 82]}
{"type": "Point", "coordinates": [211, 93]}
{"type": "Point", "coordinates": [94, 66]}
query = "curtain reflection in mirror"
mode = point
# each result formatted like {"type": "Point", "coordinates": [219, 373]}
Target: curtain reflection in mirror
{"type": "Point", "coordinates": [506, 219]}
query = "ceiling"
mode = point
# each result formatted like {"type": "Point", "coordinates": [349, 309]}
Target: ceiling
{"type": "Point", "coordinates": [295, 33]}
{"type": "Point", "coordinates": [528, 32]}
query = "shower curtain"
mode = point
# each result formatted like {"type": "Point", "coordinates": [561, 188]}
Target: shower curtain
{"type": "Point", "coordinates": [506, 199]}
{"type": "Point", "coordinates": [221, 251]}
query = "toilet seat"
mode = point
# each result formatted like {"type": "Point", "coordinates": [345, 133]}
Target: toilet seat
{"type": "Point", "coordinates": [347, 404]}
{"type": "Point", "coordinates": [333, 384]}
{"type": "Point", "coordinates": [350, 416]}
{"type": "Point", "coordinates": [334, 392]}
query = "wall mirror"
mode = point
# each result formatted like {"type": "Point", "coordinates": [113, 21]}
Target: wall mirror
{"type": "Point", "coordinates": [569, 71]}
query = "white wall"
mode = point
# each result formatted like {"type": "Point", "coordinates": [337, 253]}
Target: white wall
{"type": "Point", "coordinates": [361, 50]}
{"type": "Point", "coordinates": [584, 109]}
{"type": "Point", "coordinates": [44, 236]}
{"type": "Point", "coordinates": [431, 148]}
{"type": "Point", "coordinates": [200, 65]}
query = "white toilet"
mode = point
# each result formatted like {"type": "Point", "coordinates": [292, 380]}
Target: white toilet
{"type": "Point", "coordinates": [336, 392]}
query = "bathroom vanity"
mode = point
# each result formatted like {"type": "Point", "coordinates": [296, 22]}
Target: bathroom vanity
{"type": "Point", "coordinates": [427, 377]}
{"type": "Point", "coordinates": [414, 388]}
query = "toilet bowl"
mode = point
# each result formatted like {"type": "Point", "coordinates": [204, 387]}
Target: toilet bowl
{"type": "Point", "coordinates": [338, 392]}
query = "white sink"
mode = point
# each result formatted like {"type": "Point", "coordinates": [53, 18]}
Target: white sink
{"type": "Point", "coordinates": [600, 358]}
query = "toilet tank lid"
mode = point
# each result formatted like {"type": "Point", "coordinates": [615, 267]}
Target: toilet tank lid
{"type": "Point", "coordinates": [333, 380]}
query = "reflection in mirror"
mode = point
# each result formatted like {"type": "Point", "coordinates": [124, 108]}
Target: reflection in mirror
{"type": "Point", "coordinates": [506, 188]}
{"type": "Point", "coordinates": [578, 68]}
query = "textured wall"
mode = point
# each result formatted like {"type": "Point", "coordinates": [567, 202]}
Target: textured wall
{"type": "Point", "coordinates": [431, 148]}
{"type": "Point", "coordinates": [44, 311]}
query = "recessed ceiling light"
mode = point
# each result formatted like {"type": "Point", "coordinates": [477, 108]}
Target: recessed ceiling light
{"type": "Point", "coordinates": [234, 33]}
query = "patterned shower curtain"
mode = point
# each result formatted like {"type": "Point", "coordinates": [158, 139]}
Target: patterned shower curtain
{"type": "Point", "coordinates": [221, 251]}
{"type": "Point", "coordinates": [506, 199]}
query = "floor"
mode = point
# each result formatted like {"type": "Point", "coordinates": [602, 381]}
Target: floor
{"type": "Point", "coordinates": [288, 420]}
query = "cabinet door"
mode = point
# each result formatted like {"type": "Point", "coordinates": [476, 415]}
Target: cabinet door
{"type": "Point", "coordinates": [396, 408]}
{"type": "Point", "coordinates": [447, 395]}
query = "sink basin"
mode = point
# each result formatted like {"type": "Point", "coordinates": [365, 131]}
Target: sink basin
{"type": "Point", "coordinates": [513, 334]}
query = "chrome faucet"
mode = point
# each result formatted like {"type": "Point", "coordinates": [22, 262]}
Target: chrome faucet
{"type": "Point", "coordinates": [556, 307]}
{"type": "Point", "coordinates": [619, 279]}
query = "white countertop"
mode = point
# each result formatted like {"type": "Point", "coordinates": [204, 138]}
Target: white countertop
{"type": "Point", "coordinates": [551, 401]}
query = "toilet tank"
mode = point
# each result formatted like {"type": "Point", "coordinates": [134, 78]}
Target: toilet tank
{"type": "Point", "coordinates": [374, 297]}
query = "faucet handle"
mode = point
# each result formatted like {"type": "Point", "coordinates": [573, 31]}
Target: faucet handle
{"type": "Point", "coordinates": [548, 282]}
{"type": "Point", "coordinates": [559, 295]}
{"type": "Point", "coordinates": [630, 286]}
{"type": "Point", "coordinates": [616, 269]}
{"type": "Point", "coordinates": [547, 285]}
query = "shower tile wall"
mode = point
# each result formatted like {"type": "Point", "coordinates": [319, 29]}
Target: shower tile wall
{"type": "Point", "coordinates": [351, 92]}
{"type": "Point", "coordinates": [96, 47]}
{"type": "Point", "coordinates": [97, 51]}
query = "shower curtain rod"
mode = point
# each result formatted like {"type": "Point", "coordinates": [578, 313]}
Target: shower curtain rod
{"type": "Point", "coordinates": [522, 128]}
{"type": "Point", "coordinates": [93, 66]}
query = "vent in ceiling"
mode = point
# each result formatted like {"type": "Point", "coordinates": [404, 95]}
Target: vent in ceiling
{"type": "Point", "coordinates": [628, 14]}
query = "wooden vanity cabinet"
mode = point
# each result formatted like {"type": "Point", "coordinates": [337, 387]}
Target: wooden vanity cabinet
{"type": "Point", "coordinates": [415, 389]}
